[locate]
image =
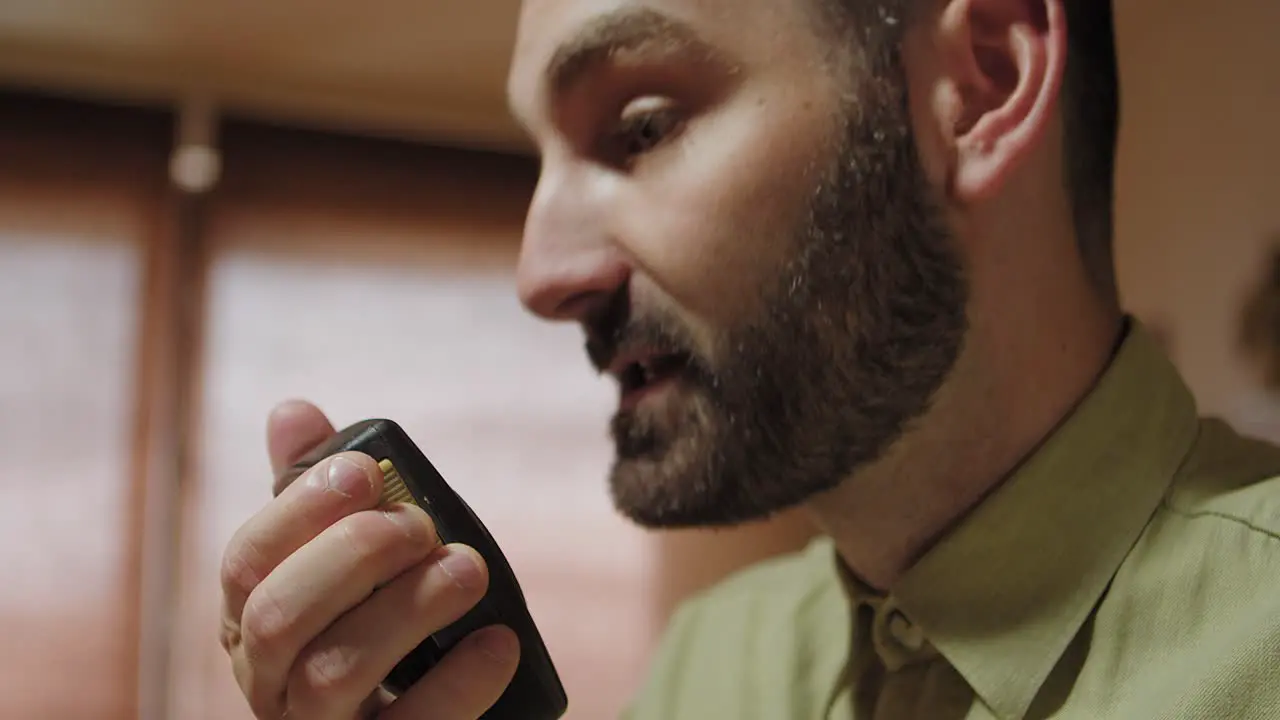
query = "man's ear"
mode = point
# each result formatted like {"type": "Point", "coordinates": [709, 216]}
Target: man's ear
{"type": "Point", "coordinates": [1006, 60]}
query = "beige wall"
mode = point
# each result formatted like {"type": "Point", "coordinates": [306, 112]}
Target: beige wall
{"type": "Point", "coordinates": [1199, 194]}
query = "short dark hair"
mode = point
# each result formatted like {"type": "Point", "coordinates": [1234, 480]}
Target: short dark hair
{"type": "Point", "coordinates": [1090, 106]}
{"type": "Point", "coordinates": [1091, 116]}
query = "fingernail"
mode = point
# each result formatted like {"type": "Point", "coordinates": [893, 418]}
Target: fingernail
{"type": "Point", "coordinates": [498, 646]}
{"type": "Point", "coordinates": [347, 478]}
{"type": "Point", "coordinates": [461, 568]}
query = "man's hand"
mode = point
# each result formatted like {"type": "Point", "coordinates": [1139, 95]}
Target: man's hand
{"type": "Point", "coordinates": [323, 594]}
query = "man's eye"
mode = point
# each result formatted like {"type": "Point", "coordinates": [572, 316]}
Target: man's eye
{"type": "Point", "coordinates": [644, 127]}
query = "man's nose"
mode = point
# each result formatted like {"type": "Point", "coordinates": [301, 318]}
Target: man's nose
{"type": "Point", "coordinates": [569, 263]}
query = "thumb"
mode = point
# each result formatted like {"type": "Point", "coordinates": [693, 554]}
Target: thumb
{"type": "Point", "coordinates": [294, 428]}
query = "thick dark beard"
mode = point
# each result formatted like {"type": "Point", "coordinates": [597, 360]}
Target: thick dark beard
{"type": "Point", "coordinates": [862, 329]}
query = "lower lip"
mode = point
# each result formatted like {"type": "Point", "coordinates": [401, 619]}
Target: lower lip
{"type": "Point", "coordinates": [633, 398]}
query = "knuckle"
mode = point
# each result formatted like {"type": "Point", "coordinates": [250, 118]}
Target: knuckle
{"type": "Point", "coordinates": [265, 627]}
{"type": "Point", "coordinates": [327, 677]}
{"type": "Point", "coordinates": [238, 573]}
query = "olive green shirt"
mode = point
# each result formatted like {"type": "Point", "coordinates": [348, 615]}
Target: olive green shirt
{"type": "Point", "coordinates": [1129, 569]}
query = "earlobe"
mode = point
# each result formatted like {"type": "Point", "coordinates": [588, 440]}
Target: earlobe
{"type": "Point", "coordinates": [1015, 58]}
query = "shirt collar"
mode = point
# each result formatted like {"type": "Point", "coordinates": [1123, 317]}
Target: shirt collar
{"type": "Point", "coordinates": [1003, 594]}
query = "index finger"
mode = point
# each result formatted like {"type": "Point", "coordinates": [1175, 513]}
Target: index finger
{"type": "Point", "coordinates": [334, 488]}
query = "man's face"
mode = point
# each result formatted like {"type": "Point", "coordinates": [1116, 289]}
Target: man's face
{"type": "Point", "coordinates": [731, 205]}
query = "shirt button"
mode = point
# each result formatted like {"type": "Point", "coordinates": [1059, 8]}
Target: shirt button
{"type": "Point", "coordinates": [909, 635]}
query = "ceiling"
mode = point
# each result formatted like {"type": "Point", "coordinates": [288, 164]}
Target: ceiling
{"type": "Point", "coordinates": [422, 69]}
{"type": "Point", "coordinates": [433, 69]}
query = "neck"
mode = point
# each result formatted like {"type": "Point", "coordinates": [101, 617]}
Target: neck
{"type": "Point", "coordinates": [1015, 382]}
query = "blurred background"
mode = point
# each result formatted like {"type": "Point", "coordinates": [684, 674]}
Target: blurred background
{"type": "Point", "coordinates": [206, 208]}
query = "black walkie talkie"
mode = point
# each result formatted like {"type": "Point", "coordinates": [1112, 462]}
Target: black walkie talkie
{"type": "Point", "coordinates": [535, 693]}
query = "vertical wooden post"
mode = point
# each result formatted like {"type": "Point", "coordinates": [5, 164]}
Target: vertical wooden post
{"type": "Point", "coordinates": [172, 328]}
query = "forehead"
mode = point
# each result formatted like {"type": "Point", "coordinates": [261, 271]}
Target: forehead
{"type": "Point", "coordinates": [556, 37]}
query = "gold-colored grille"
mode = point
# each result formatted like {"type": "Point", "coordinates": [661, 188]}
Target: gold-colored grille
{"type": "Point", "coordinates": [393, 488]}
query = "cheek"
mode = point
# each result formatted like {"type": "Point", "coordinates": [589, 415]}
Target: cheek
{"type": "Point", "coordinates": [711, 219]}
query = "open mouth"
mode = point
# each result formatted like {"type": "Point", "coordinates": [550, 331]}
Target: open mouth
{"type": "Point", "coordinates": [649, 372]}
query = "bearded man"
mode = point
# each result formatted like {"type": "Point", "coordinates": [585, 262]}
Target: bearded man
{"type": "Point", "coordinates": [851, 255]}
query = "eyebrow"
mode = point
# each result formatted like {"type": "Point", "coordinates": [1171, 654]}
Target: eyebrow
{"type": "Point", "coordinates": [619, 31]}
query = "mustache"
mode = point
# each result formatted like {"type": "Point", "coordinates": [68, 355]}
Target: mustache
{"type": "Point", "coordinates": [617, 329]}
